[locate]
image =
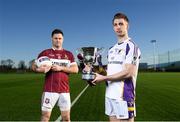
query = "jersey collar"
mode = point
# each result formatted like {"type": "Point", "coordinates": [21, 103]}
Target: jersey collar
{"type": "Point", "coordinates": [119, 43]}
{"type": "Point", "coordinates": [55, 49]}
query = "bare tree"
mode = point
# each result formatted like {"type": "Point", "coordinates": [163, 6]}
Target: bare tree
{"type": "Point", "coordinates": [3, 62]}
{"type": "Point", "coordinates": [6, 64]}
{"type": "Point", "coordinates": [9, 63]}
{"type": "Point", "coordinates": [3, 65]}
{"type": "Point", "coordinates": [21, 65]}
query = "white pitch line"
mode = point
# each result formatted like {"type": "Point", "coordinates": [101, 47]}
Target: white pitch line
{"type": "Point", "coordinates": [74, 101]}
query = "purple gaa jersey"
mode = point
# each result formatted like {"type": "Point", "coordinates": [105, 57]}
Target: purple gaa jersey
{"type": "Point", "coordinates": [120, 54]}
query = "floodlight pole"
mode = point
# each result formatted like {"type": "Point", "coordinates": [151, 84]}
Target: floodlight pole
{"type": "Point", "coordinates": [154, 45]}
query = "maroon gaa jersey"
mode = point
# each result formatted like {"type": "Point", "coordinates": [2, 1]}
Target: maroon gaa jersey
{"type": "Point", "coordinates": [58, 81]}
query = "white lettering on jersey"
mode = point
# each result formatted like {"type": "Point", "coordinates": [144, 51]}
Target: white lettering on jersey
{"type": "Point", "coordinates": [61, 62]}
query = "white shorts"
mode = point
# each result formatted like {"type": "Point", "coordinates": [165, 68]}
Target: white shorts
{"type": "Point", "coordinates": [49, 99]}
{"type": "Point", "coordinates": [119, 108]}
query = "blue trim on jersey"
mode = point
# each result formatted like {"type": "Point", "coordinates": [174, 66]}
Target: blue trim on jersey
{"type": "Point", "coordinates": [127, 49]}
{"type": "Point", "coordinates": [111, 47]}
{"type": "Point", "coordinates": [135, 48]}
{"type": "Point", "coordinates": [119, 43]}
{"type": "Point", "coordinates": [135, 53]}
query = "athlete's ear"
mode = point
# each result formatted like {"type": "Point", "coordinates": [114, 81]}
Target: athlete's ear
{"type": "Point", "coordinates": [127, 26]}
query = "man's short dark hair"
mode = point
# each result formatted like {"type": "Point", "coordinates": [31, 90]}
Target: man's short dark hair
{"type": "Point", "coordinates": [119, 16]}
{"type": "Point", "coordinates": [56, 31]}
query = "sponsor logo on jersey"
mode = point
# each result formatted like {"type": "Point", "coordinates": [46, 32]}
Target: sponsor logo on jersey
{"type": "Point", "coordinates": [116, 50]}
{"type": "Point", "coordinates": [62, 62]}
{"type": "Point", "coordinates": [112, 58]}
{"type": "Point", "coordinates": [111, 52]}
{"type": "Point", "coordinates": [66, 57]}
{"type": "Point", "coordinates": [115, 62]}
{"type": "Point", "coordinates": [47, 100]}
{"type": "Point", "coordinates": [58, 56]}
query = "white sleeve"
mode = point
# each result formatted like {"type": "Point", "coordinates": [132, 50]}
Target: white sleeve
{"type": "Point", "coordinates": [132, 54]}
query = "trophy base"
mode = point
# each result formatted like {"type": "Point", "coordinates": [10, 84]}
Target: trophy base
{"type": "Point", "coordinates": [89, 77]}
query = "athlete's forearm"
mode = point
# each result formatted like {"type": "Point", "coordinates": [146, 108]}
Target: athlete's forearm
{"type": "Point", "coordinates": [71, 69]}
{"type": "Point", "coordinates": [128, 72]}
{"type": "Point", "coordinates": [118, 76]}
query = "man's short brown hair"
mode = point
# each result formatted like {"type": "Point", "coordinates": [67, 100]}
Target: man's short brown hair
{"type": "Point", "coordinates": [120, 15]}
{"type": "Point", "coordinates": [57, 31]}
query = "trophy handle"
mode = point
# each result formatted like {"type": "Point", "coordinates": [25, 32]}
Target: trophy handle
{"type": "Point", "coordinates": [100, 51]}
{"type": "Point", "coordinates": [79, 50]}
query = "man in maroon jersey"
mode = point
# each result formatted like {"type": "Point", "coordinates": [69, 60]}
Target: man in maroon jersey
{"type": "Point", "coordinates": [56, 86]}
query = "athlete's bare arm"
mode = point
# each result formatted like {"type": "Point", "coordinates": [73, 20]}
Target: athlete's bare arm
{"type": "Point", "coordinates": [128, 72]}
{"type": "Point", "coordinates": [72, 69]}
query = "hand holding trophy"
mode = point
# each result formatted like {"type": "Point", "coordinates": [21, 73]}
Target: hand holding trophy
{"type": "Point", "coordinates": [87, 56]}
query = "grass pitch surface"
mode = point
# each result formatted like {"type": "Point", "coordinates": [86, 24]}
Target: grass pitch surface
{"type": "Point", "coordinates": [157, 97]}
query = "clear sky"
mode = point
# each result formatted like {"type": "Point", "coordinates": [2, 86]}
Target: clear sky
{"type": "Point", "coordinates": [26, 25]}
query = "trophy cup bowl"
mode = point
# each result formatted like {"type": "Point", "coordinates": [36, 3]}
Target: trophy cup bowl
{"type": "Point", "coordinates": [87, 55]}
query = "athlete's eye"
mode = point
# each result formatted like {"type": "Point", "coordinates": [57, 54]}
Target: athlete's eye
{"type": "Point", "coordinates": [115, 24]}
{"type": "Point", "coordinates": [121, 24]}
{"type": "Point", "coordinates": [58, 38]}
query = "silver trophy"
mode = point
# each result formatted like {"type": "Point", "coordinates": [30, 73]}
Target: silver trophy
{"type": "Point", "coordinates": [88, 55]}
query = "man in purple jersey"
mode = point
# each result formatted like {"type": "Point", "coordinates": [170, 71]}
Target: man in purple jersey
{"type": "Point", "coordinates": [56, 86]}
{"type": "Point", "coordinates": [122, 69]}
